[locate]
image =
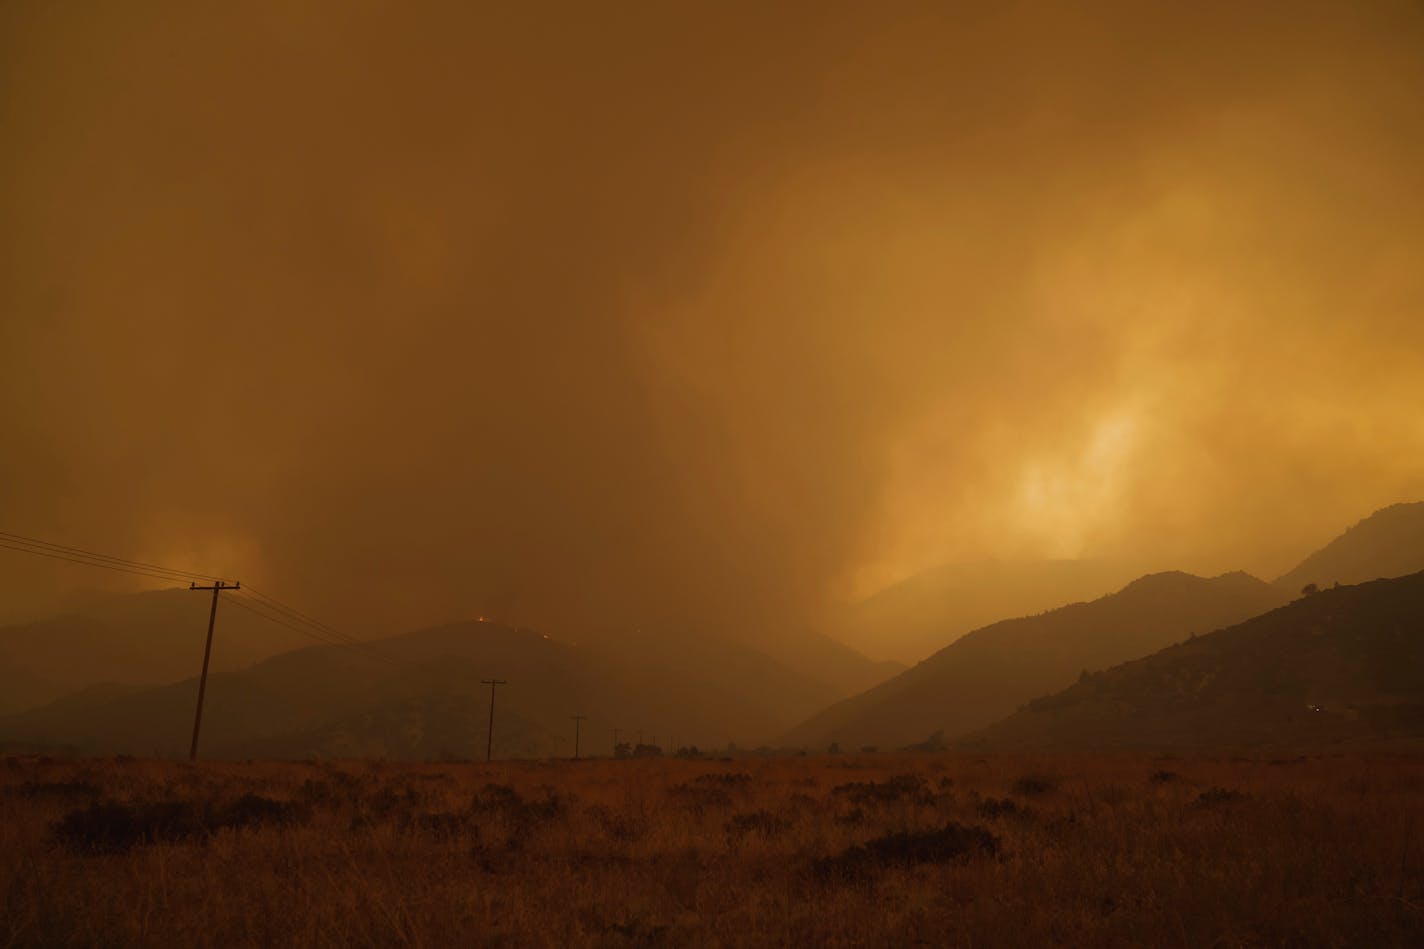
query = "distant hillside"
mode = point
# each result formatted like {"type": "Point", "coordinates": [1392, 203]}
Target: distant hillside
{"type": "Point", "coordinates": [1388, 543]}
{"type": "Point", "coordinates": [420, 695]}
{"type": "Point", "coordinates": [823, 659]}
{"type": "Point", "coordinates": [988, 673]}
{"type": "Point", "coordinates": [918, 616]}
{"type": "Point", "coordinates": [132, 639]}
{"type": "Point", "coordinates": [1341, 664]}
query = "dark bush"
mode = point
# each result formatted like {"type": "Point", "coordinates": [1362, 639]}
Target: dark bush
{"type": "Point", "coordinates": [1162, 777]}
{"type": "Point", "coordinates": [496, 797]}
{"type": "Point", "coordinates": [760, 823]}
{"type": "Point", "coordinates": [723, 780]}
{"type": "Point", "coordinates": [540, 811]}
{"type": "Point", "coordinates": [898, 788]}
{"type": "Point", "coordinates": [388, 801]}
{"type": "Point", "coordinates": [441, 826]}
{"type": "Point", "coordinates": [992, 808]}
{"type": "Point", "coordinates": [115, 827]}
{"type": "Point", "coordinates": [625, 828]}
{"type": "Point", "coordinates": [953, 842]}
{"type": "Point", "coordinates": [1034, 784]}
{"type": "Point", "coordinates": [253, 810]}
{"type": "Point", "coordinates": [55, 789]}
{"type": "Point", "coordinates": [522, 812]}
{"type": "Point", "coordinates": [1212, 797]}
{"type": "Point", "coordinates": [696, 797]}
{"type": "Point", "coordinates": [108, 826]}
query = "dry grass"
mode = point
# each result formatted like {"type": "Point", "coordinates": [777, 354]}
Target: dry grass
{"type": "Point", "coordinates": [881, 849]}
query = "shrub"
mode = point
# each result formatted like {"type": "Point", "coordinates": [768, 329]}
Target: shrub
{"type": "Point", "coordinates": [953, 842]}
{"type": "Point", "coordinates": [318, 792]}
{"type": "Point", "coordinates": [1212, 797]}
{"type": "Point", "coordinates": [495, 797]}
{"type": "Point", "coordinates": [253, 810]}
{"type": "Point", "coordinates": [56, 789]}
{"type": "Point", "coordinates": [387, 801]}
{"type": "Point", "coordinates": [109, 826]}
{"type": "Point", "coordinates": [441, 825]}
{"type": "Point", "coordinates": [115, 827]}
{"type": "Point", "coordinates": [1031, 785]}
{"type": "Point", "coordinates": [898, 788]}
{"type": "Point", "coordinates": [696, 797]}
{"type": "Point", "coordinates": [991, 808]}
{"type": "Point", "coordinates": [760, 823]}
{"type": "Point", "coordinates": [624, 828]}
{"type": "Point", "coordinates": [725, 780]}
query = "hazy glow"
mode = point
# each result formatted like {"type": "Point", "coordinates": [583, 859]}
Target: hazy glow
{"type": "Point", "coordinates": [1064, 500]}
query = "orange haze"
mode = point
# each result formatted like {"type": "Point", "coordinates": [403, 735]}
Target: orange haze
{"type": "Point", "coordinates": [588, 314]}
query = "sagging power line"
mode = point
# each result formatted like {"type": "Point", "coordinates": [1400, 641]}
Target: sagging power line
{"type": "Point", "coordinates": [91, 558]}
{"type": "Point", "coordinates": [256, 601]}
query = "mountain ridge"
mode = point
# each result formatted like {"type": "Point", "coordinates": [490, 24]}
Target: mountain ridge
{"type": "Point", "coordinates": [978, 678]}
{"type": "Point", "coordinates": [1387, 543]}
{"type": "Point", "coordinates": [1340, 664]}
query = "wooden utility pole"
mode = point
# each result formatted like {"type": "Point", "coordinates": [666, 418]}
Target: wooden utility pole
{"type": "Point", "coordinates": [489, 744]}
{"type": "Point", "coordinates": [616, 733]}
{"type": "Point", "coordinates": [578, 721]}
{"type": "Point", "coordinates": [217, 587]}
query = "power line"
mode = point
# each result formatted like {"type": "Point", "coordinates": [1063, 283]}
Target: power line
{"type": "Point", "coordinates": [90, 555]}
{"type": "Point", "coordinates": [301, 617]}
{"type": "Point", "coordinates": [318, 629]}
{"type": "Point", "coordinates": [287, 616]}
{"type": "Point", "coordinates": [91, 563]}
{"type": "Point", "coordinates": [354, 645]}
{"type": "Point", "coordinates": [261, 604]}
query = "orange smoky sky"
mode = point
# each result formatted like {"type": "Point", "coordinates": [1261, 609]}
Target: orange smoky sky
{"type": "Point", "coordinates": [593, 314]}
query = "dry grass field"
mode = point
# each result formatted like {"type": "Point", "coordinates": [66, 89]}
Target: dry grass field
{"type": "Point", "coordinates": [845, 850]}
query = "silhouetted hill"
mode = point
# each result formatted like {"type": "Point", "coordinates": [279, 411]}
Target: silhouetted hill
{"type": "Point", "coordinates": [1388, 543]}
{"type": "Point", "coordinates": [1341, 664]}
{"type": "Point", "coordinates": [132, 639]}
{"type": "Point", "coordinates": [989, 672]}
{"type": "Point", "coordinates": [916, 617]}
{"type": "Point", "coordinates": [409, 694]}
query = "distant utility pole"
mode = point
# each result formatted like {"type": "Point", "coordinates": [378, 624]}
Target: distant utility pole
{"type": "Point", "coordinates": [616, 732]}
{"type": "Point", "coordinates": [217, 587]}
{"type": "Point", "coordinates": [489, 744]}
{"type": "Point", "coordinates": [578, 721]}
